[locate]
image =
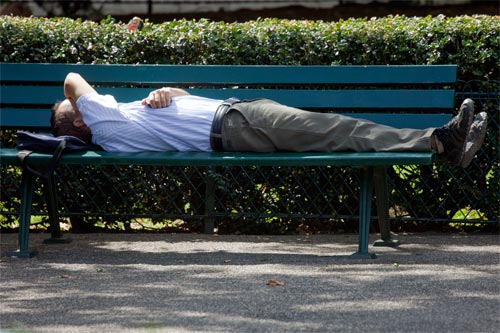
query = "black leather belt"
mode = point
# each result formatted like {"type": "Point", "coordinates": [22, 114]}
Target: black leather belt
{"type": "Point", "coordinates": [216, 131]}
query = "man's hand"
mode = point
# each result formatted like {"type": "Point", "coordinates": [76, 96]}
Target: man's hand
{"type": "Point", "coordinates": [161, 98]}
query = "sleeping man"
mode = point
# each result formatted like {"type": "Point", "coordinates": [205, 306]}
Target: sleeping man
{"type": "Point", "coordinates": [170, 119]}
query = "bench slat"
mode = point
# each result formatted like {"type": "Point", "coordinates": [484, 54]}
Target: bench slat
{"type": "Point", "coordinates": [231, 159]}
{"type": "Point", "coordinates": [236, 74]}
{"type": "Point", "coordinates": [347, 99]}
{"type": "Point", "coordinates": [24, 118]}
{"type": "Point", "coordinates": [374, 99]}
{"type": "Point", "coordinates": [40, 118]}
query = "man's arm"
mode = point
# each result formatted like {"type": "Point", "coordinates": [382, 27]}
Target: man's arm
{"type": "Point", "coordinates": [160, 98]}
{"type": "Point", "coordinates": [76, 86]}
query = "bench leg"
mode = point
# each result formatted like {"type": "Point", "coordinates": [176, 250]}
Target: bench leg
{"type": "Point", "coordinates": [25, 217]}
{"type": "Point", "coordinates": [55, 228]}
{"type": "Point", "coordinates": [382, 196]}
{"type": "Point", "coordinates": [209, 221]}
{"type": "Point", "coordinates": [365, 204]}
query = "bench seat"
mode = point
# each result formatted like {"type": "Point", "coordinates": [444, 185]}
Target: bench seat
{"type": "Point", "coordinates": [351, 159]}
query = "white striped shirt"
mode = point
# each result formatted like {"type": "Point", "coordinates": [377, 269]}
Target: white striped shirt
{"type": "Point", "coordinates": [131, 127]}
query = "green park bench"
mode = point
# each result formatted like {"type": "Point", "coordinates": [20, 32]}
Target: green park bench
{"type": "Point", "coordinates": [419, 96]}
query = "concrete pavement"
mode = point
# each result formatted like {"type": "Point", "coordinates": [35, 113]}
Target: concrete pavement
{"type": "Point", "coordinates": [209, 283]}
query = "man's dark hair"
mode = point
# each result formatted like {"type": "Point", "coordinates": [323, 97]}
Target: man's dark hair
{"type": "Point", "coordinates": [62, 120]}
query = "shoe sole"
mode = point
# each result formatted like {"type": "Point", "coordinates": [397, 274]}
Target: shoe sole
{"type": "Point", "coordinates": [474, 139]}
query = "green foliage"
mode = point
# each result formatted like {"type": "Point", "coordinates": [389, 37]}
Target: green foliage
{"type": "Point", "coordinates": [471, 42]}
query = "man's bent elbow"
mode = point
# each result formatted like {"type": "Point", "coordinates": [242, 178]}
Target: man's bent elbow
{"type": "Point", "coordinates": [75, 86]}
{"type": "Point", "coordinates": [70, 83]}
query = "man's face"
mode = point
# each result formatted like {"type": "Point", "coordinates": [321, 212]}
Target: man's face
{"type": "Point", "coordinates": [66, 106]}
{"type": "Point", "coordinates": [75, 117]}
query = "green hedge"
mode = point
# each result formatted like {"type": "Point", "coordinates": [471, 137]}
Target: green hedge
{"type": "Point", "coordinates": [471, 42]}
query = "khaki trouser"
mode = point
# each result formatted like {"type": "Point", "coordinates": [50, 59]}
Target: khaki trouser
{"type": "Point", "coordinates": [266, 126]}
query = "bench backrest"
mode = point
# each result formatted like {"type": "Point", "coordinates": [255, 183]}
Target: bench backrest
{"type": "Point", "coordinates": [378, 93]}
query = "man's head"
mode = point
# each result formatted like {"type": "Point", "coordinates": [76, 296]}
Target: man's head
{"type": "Point", "coordinates": [65, 120]}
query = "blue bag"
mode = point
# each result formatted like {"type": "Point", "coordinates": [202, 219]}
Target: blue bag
{"type": "Point", "coordinates": [47, 143]}
{"type": "Point", "coordinates": [28, 143]}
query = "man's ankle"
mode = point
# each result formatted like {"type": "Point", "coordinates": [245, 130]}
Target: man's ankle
{"type": "Point", "coordinates": [436, 144]}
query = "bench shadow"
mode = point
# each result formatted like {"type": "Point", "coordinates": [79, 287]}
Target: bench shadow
{"type": "Point", "coordinates": [201, 303]}
{"type": "Point", "coordinates": [202, 283]}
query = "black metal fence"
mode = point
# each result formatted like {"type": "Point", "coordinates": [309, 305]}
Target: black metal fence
{"type": "Point", "coordinates": [273, 199]}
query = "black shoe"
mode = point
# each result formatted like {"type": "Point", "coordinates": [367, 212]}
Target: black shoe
{"type": "Point", "coordinates": [453, 135]}
{"type": "Point", "coordinates": [475, 138]}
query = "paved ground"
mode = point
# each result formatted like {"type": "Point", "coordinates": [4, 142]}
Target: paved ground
{"type": "Point", "coordinates": [202, 283]}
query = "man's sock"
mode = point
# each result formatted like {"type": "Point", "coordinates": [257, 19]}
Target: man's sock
{"type": "Point", "coordinates": [436, 145]}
